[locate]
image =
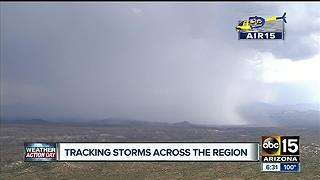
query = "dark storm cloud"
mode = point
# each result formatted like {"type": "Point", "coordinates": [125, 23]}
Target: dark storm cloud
{"type": "Point", "coordinates": [150, 61]}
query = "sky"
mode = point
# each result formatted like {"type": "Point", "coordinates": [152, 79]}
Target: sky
{"type": "Point", "coordinates": [153, 61]}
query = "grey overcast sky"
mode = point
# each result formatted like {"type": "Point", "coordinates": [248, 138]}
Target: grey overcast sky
{"type": "Point", "coordinates": [153, 61]}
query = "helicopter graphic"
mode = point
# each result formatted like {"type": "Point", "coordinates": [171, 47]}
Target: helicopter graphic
{"type": "Point", "coordinates": [256, 22]}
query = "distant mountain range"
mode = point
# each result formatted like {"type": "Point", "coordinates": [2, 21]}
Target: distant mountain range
{"type": "Point", "coordinates": [300, 115]}
{"type": "Point", "coordinates": [255, 114]}
{"type": "Point", "coordinates": [26, 121]}
{"type": "Point", "coordinates": [130, 122]}
{"type": "Point", "coordinates": [124, 122]}
{"type": "Point", "coordinates": [104, 122]}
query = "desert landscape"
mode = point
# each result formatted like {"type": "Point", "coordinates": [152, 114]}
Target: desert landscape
{"type": "Point", "coordinates": [13, 135]}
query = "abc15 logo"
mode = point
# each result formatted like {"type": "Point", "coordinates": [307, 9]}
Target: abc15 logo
{"type": "Point", "coordinates": [280, 145]}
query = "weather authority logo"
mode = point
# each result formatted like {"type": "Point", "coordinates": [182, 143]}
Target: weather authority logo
{"type": "Point", "coordinates": [256, 27]}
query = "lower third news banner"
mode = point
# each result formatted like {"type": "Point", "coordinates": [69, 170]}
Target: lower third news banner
{"type": "Point", "coordinates": [144, 151]}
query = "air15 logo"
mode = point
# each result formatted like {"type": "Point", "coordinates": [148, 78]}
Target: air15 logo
{"type": "Point", "coordinates": [280, 145]}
